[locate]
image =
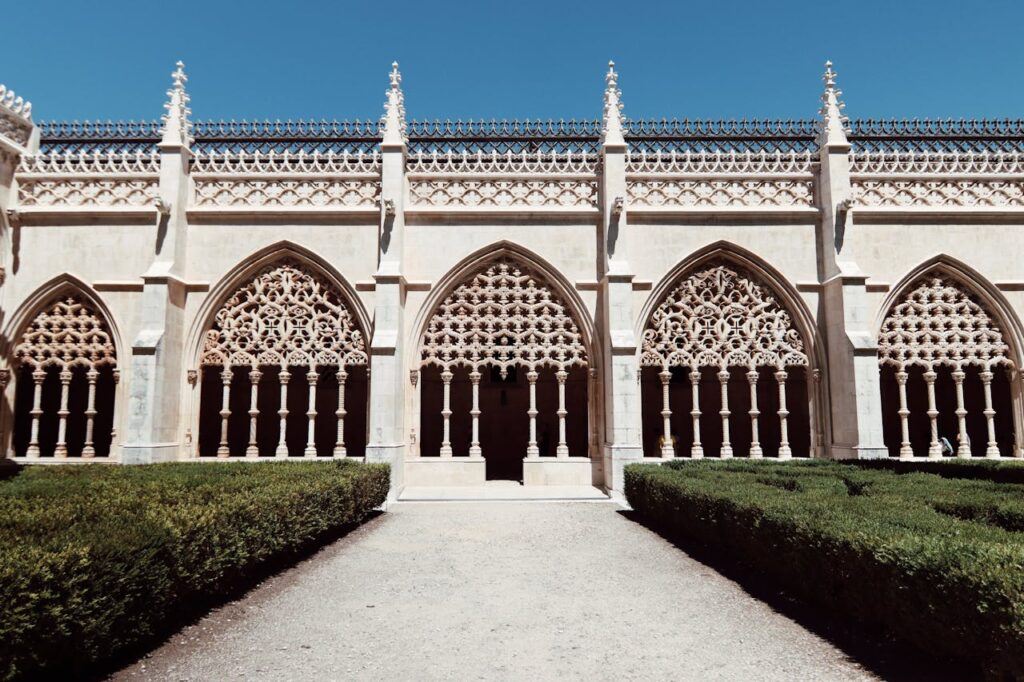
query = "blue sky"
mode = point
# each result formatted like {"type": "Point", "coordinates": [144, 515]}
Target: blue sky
{"type": "Point", "coordinates": [522, 58]}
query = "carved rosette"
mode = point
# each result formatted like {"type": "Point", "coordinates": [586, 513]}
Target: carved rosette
{"type": "Point", "coordinates": [505, 315]}
{"type": "Point", "coordinates": [67, 332]}
{"type": "Point", "coordinates": [721, 316]}
{"type": "Point", "coordinates": [940, 322]}
{"type": "Point", "coordinates": [285, 315]}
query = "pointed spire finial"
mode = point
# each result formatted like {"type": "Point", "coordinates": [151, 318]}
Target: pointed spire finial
{"type": "Point", "coordinates": [833, 121]}
{"type": "Point", "coordinates": [177, 125]}
{"type": "Point", "coordinates": [611, 128]}
{"type": "Point", "coordinates": [394, 110]}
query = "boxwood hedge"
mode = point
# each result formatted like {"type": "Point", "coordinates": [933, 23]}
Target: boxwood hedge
{"type": "Point", "coordinates": [938, 562]}
{"type": "Point", "coordinates": [96, 561]}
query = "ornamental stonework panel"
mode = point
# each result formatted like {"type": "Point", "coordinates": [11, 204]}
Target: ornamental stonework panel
{"type": "Point", "coordinates": [67, 332]}
{"type": "Point", "coordinates": [725, 193]}
{"type": "Point", "coordinates": [82, 192]}
{"type": "Point", "coordinates": [938, 192]}
{"type": "Point", "coordinates": [288, 192]}
{"type": "Point", "coordinates": [504, 193]}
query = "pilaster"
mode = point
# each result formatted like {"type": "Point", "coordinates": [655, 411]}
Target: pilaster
{"type": "Point", "coordinates": [156, 353]}
{"type": "Point", "coordinates": [387, 442]}
{"type": "Point", "coordinates": [621, 389]}
{"type": "Point", "coordinates": [846, 321]}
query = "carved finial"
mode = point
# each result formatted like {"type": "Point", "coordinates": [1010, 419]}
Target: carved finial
{"type": "Point", "coordinates": [833, 122]}
{"type": "Point", "coordinates": [394, 110]}
{"type": "Point", "coordinates": [15, 118]}
{"type": "Point", "coordinates": [177, 125]}
{"type": "Point", "coordinates": [611, 129]}
{"type": "Point", "coordinates": [14, 104]}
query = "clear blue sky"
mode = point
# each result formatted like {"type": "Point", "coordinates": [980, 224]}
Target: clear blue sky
{"type": "Point", "coordinates": [517, 58]}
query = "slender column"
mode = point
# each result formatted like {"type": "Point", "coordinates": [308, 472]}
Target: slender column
{"type": "Point", "coordinates": [696, 451]}
{"type": "Point", "coordinates": [563, 447]}
{"type": "Point", "coordinates": [417, 408]}
{"type": "Point", "coordinates": [193, 378]}
{"type": "Point", "coordinates": [963, 449]}
{"type": "Point", "coordinates": [906, 452]}
{"type": "Point", "coordinates": [723, 380]}
{"type": "Point", "coordinates": [446, 414]}
{"type": "Point", "coordinates": [113, 430]}
{"type": "Point", "coordinates": [474, 445]}
{"type": "Point", "coordinates": [225, 411]}
{"type": "Point", "coordinates": [311, 377]}
{"type": "Point", "coordinates": [38, 375]}
{"type": "Point", "coordinates": [90, 413]}
{"type": "Point", "coordinates": [531, 449]}
{"type": "Point", "coordinates": [755, 444]}
{"type": "Point", "coordinates": [61, 451]}
{"type": "Point", "coordinates": [254, 386]}
{"type": "Point", "coordinates": [934, 449]}
{"type": "Point", "coordinates": [784, 451]}
{"type": "Point", "coordinates": [993, 447]}
{"type": "Point", "coordinates": [339, 444]}
{"type": "Point", "coordinates": [667, 451]}
{"type": "Point", "coordinates": [5, 378]}
{"type": "Point", "coordinates": [282, 411]}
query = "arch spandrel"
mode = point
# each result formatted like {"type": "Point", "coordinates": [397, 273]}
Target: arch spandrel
{"type": "Point", "coordinates": [721, 315]}
{"type": "Point", "coordinates": [503, 314]}
{"type": "Point", "coordinates": [938, 320]}
{"type": "Point", "coordinates": [284, 313]}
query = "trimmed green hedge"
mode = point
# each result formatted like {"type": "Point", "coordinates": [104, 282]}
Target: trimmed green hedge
{"type": "Point", "coordinates": [999, 471]}
{"type": "Point", "coordinates": [935, 561]}
{"type": "Point", "coordinates": [97, 560]}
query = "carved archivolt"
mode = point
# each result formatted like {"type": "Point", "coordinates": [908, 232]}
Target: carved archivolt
{"type": "Point", "coordinates": [721, 316]}
{"type": "Point", "coordinates": [285, 315]}
{"type": "Point", "coordinates": [939, 322]}
{"type": "Point", "coordinates": [504, 315]}
{"type": "Point", "coordinates": [66, 333]}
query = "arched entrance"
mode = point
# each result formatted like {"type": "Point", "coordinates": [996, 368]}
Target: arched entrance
{"type": "Point", "coordinates": [946, 370]}
{"type": "Point", "coordinates": [503, 390]}
{"type": "Point", "coordinates": [283, 368]}
{"type": "Point", "coordinates": [65, 373]}
{"type": "Point", "coordinates": [725, 370]}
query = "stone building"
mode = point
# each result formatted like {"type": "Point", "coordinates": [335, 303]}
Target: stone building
{"type": "Point", "coordinates": [536, 301]}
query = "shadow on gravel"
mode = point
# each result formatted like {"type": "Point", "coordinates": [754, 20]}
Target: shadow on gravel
{"type": "Point", "coordinates": [885, 656]}
{"type": "Point", "coordinates": [195, 611]}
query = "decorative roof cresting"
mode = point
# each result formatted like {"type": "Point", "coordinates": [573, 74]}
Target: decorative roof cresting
{"type": "Point", "coordinates": [833, 121]}
{"type": "Point", "coordinates": [177, 129]}
{"type": "Point", "coordinates": [611, 120]}
{"type": "Point", "coordinates": [395, 131]}
{"type": "Point", "coordinates": [15, 117]}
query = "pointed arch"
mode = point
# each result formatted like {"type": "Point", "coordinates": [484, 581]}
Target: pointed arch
{"type": "Point", "coordinates": [943, 288]}
{"type": "Point", "coordinates": [759, 273]}
{"type": "Point", "coordinates": [250, 268]}
{"type": "Point", "coordinates": [87, 301]}
{"type": "Point", "coordinates": [560, 290]}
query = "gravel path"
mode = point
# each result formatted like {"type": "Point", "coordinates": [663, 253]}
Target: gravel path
{"type": "Point", "coordinates": [497, 591]}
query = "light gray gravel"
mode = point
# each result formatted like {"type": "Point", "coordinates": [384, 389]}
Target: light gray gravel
{"type": "Point", "coordinates": [498, 591]}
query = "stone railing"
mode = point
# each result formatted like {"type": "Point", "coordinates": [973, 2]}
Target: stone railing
{"type": "Point", "coordinates": [720, 180]}
{"type": "Point", "coordinates": [86, 181]}
{"type": "Point", "coordinates": [287, 181]}
{"type": "Point", "coordinates": [962, 181]}
{"type": "Point", "coordinates": [492, 181]}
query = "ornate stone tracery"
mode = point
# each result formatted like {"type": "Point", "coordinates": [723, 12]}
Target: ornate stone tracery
{"type": "Point", "coordinates": [721, 316]}
{"type": "Point", "coordinates": [285, 315]}
{"type": "Point", "coordinates": [939, 322]}
{"type": "Point", "coordinates": [67, 332]}
{"type": "Point", "coordinates": [504, 315]}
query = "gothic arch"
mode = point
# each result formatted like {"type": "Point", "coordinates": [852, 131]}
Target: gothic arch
{"type": "Point", "coordinates": [947, 339]}
{"type": "Point", "coordinates": [64, 337]}
{"type": "Point", "coordinates": [503, 309]}
{"type": "Point", "coordinates": [721, 310]}
{"type": "Point", "coordinates": [280, 311]}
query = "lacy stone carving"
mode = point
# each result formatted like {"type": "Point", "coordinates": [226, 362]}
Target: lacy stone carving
{"type": "Point", "coordinates": [268, 192]}
{"type": "Point", "coordinates": [285, 315]}
{"type": "Point", "coordinates": [88, 191]}
{"type": "Point", "coordinates": [939, 322]}
{"type": "Point", "coordinates": [67, 332]}
{"type": "Point", "coordinates": [947, 193]}
{"type": "Point", "coordinates": [503, 316]}
{"type": "Point", "coordinates": [721, 316]}
{"type": "Point", "coordinates": [717, 193]}
{"type": "Point", "coordinates": [504, 192]}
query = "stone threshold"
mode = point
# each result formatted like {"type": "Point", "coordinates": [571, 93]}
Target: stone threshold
{"type": "Point", "coordinates": [503, 491]}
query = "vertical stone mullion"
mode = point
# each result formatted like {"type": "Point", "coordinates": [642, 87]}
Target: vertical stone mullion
{"type": "Point", "coordinates": [446, 413]}
{"type": "Point", "coordinates": [934, 449]}
{"type": "Point", "coordinates": [723, 380]}
{"type": "Point", "coordinates": [755, 444]}
{"type": "Point", "coordinates": [992, 450]}
{"type": "Point", "coordinates": [61, 450]}
{"type": "Point", "coordinates": [254, 412]}
{"type": "Point", "coordinates": [784, 450]}
{"type": "Point", "coordinates": [282, 445]}
{"type": "Point", "coordinates": [474, 412]}
{"type": "Point", "coordinates": [697, 450]}
{"type": "Point", "coordinates": [563, 447]}
{"type": "Point", "coordinates": [89, 450]}
{"type": "Point", "coordinates": [532, 450]}
{"type": "Point", "coordinates": [339, 443]}
{"type": "Point", "coordinates": [311, 378]}
{"type": "Point", "coordinates": [225, 410]}
{"type": "Point", "coordinates": [906, 452]}
{"type": "Point", "coordinates": [38, 376]}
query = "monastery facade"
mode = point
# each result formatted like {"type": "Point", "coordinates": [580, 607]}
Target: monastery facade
{"type": "Point", "coordinates": [542, 302]}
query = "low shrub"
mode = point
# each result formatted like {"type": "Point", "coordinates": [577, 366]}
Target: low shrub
{"type": "Point", "coordinates": [938, 562]}
{"type": "Point", "coordinates": [96, 561]}
{"type": "Point", "coordinates": [998, 471]}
